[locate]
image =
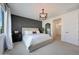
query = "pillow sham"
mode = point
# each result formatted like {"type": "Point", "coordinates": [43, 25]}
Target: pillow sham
{"type": "Point", "coordinates": [37, 32]}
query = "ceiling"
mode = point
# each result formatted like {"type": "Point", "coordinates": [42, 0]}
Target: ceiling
{"type": "Point", "coordinates": [32, 10]}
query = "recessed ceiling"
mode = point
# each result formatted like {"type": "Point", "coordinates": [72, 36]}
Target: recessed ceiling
{"type": "Point", "coordinates": [32, 10]}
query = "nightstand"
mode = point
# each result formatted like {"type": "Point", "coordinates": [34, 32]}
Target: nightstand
{"type": "Point", "coordinates": [16, 37]}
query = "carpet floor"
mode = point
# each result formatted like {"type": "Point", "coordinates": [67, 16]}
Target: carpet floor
{"type": "Point", "coordinates": [55, 48]}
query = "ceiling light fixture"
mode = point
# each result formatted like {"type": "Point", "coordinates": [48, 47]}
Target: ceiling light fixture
{"type": "Point", "coordinates": [43, 15]}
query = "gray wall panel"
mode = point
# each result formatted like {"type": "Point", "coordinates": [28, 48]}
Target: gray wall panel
{"type": "Point", "coordinates": [19, 22]}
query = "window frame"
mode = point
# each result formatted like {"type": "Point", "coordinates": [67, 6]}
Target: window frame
{"type": "Point", "coordinates": [2, 27]}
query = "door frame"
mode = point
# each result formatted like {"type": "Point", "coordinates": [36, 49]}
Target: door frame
{"type": "Point", "coordinates": [57, 19]}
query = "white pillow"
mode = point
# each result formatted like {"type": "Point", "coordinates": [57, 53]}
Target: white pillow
{"type": "Point", "coordinates": [27, 32]}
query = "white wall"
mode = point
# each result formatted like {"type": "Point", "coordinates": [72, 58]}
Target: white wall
{"type": "Point", "coordinates": [51, 22]}
{"type": "Point", "coordinates": [69, 26]}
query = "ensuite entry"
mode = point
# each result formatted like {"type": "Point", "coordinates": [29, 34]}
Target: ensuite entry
{"type": "Point", "coordinates": [57, 29]}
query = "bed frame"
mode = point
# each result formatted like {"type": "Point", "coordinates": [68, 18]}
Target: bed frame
{"type": "Point", "coordinates": [39, 45]}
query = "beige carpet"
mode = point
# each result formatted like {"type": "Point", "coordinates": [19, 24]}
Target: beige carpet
{"type": "Point", "coordinates": [55, 48]}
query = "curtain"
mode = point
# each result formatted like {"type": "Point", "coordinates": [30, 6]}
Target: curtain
{"type": "Point", "coordinates": [7, 29]}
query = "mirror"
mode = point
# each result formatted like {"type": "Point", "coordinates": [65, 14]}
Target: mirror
{"type": "Point", "coordinates": [47, 28]}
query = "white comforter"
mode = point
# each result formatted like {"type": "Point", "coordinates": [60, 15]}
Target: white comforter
{"type": "Point", "coordinates": [32, 39]}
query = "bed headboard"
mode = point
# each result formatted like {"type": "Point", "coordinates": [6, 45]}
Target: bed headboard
{"type": "Point", "coordinates": [30, 29]}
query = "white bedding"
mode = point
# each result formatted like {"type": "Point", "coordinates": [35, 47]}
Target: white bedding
{"type": "Point", "coordinates": [33, 39]}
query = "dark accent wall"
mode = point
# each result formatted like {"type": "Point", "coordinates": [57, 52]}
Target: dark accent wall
{"type": "Point", "coordinates": [19, 22]}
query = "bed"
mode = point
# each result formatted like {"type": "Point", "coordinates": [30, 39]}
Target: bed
{"type": "Point", "coordinates": [33, 39]}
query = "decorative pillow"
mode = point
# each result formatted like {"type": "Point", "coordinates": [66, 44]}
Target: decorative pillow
{"type": "Point", "coordinates": [34, 32]}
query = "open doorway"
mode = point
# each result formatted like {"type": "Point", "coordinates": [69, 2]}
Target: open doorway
{"type": "Point", "coordinates": [57, 29]}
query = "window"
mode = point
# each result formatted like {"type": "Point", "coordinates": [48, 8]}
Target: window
{"type": "Point", "coordinates": [1, 20]}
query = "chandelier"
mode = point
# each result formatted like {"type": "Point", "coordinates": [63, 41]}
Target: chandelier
{"type": "Point", "coordinates": [43, 15]}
